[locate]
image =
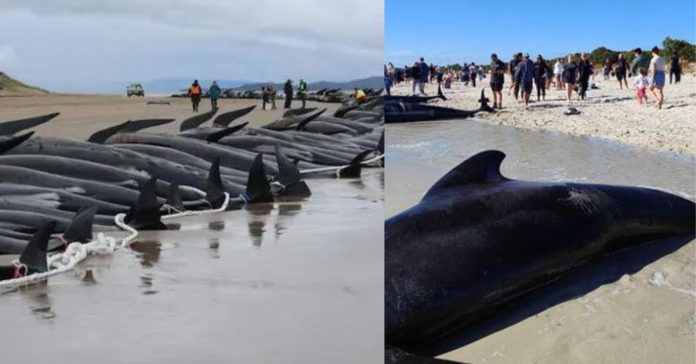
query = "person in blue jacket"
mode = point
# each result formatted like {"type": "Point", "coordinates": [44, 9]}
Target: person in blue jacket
{"type": "Point", "coordinates": [214, 93]}
{"type": "Point", "coordinates": [524, 76]}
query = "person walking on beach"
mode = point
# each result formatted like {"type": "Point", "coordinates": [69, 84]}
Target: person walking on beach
{"type": "Point", "coordinates": [472, 74]}
{"type": "Point", "coordinates": [287, 89]}
{"type": "Point", "coordinates": [264, 96]}
{"type": "Point", "coordinates": [415, 75]}
{"type": "Point", "coordinates": [424, 74]}
{"type": "Point", "coordinates": [497, 80]}
{"type": "Point", "coordinates": [524, 76]}
{"type": "Point", "coordinates": [516, 59]}
{"type": "Point", "coordinates": [621, 70]}
{"type": "Point", "coordinates": [674, 69]}
{"type": "Point", "coordinates": [584, 73]}
{"type": "Point", "coordinates": [439, 76]}
{"type": "Point", "coordinates": [302, 92]}
{"type": "Point", "coordinates": [640, 61]}
{"type": "Point", "coordinates": [272, 96]}
{"type": "Point", "coordinates": [606, 70]}
{"type": "Point", "coordinates": [540, 72]}
{"type": "Point", "coordinates": [388, 82]}
{"type": "Point", "coordinates": [641, 83]}
{"type": "Point", "coordinates": [194, 93]}
{"type": "Point", "coordinates": [657, 76]}
{"type": "Point", "coordinates": [558, 72]}
{"type": "Point", "coordinates": [570, 75]}
{"type": "Point", "coordinates": [214, 93]}
{"type": "Point", "coordinates": [465, 74]}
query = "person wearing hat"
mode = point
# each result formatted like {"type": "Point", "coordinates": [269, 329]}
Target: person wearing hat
{"type": "Point", "coordinates": [214, 93]}
{"type": "Point", "coordinates": [288, 93]}
{"type": "Point", "coordinates": [524, 77]}
{"type": "Point", "coordinates": [194, 92]}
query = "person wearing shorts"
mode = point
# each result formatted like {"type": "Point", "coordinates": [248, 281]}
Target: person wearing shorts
{"type": "Point", "coordinates": [558, 72]}
{"type": "Point", "coordinates": [497, 80]}
{"type": "Point", "coordinates": [657, 79]}
{"type": "Point", "coordinates": [641, 83]}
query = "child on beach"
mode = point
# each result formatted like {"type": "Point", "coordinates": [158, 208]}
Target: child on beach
{"type": "Point", "coordinates": [641, 83]}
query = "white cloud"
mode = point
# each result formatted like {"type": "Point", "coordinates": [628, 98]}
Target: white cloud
{"type": "Point", "coordinates": [74, 44]}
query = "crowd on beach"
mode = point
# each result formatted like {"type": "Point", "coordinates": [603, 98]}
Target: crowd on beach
{"type": "Point", "coordinates": [569, 73]}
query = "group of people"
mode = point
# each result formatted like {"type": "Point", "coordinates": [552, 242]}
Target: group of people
{"type": "Point", "coordinates": [569, 74]}
{"type": "Point", "coordinates": [195, 92]}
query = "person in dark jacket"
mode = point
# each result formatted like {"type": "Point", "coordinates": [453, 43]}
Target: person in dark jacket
{"type": "Point", "coordinates": [415, 76]}
{"type": "Point", "coordinates": [674, 69]}
{"type": "Point", "coordinates": [516, 58]}
{"type": "Point", "coordinates": [641, 61]}
{"type": "Point", "coordinates": [570, 76]}
{"type": "Point", "coordinates": [194, 93]}
{"type": "Point", "coordinates": [497, 80]}
{"type": "Point", "coordinates": [214, 93]}
{"type": "Point", "coordinates": [622, 72]}
{"type": "Point", "coordinates": [524, 76]}
{"type": "Point", "coordinates": [288, 93]}
{"type": "Point", "coordinates": [424, 71]}
{"type": "Point", "coordinates": [584, 73]}
{"type": "Point", "coordinates": [541, 70]}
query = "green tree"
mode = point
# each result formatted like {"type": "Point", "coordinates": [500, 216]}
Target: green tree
{"type": "Point", "coordinates": [685, 50]}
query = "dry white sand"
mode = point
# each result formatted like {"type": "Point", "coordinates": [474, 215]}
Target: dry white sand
{"type": "Point", "coordinates": [608, 112]}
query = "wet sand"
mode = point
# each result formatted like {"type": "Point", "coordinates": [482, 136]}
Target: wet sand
{"type": "Point", "coordinates": [82, 115]}
{"type": "Point", "coordinates": [608, 112]}
{"type": "Point", "coordinates": [637, 306]}
{"type": "Point", "coordinates": [287, 283]}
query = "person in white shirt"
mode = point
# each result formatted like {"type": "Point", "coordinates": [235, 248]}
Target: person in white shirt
{"type": "Point", "coordinates": [557, 72]}
{"type": "Point", "coordinates": [641, 83]}
{"type": "Point", "coordinates": [657, 76]}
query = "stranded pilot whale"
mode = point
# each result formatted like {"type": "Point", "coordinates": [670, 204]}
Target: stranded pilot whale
{"type": "Point", "coordinates": [478, 240]}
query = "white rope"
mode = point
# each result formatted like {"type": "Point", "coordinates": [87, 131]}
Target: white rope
{"type": "Point", "coordinates": [339, 168]}
{"type": "Point", "coordinates": [76, 252]}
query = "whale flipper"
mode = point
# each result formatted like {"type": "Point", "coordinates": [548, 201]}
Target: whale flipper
{"type": "Point", "coordinates": [482, 167]}
{"type": "Point", "coordinates": [101, 136]}
{"type": "Point", "coordinates": [196, 121]}
{"type": "Point", "coordinates": [11, 127]}
{"type": "Point", "coordinates": [216, 136]}
{"type": "Point", "coordinates": [34, 255]}
{"type": "Point", "coordinates": [10, 143]}
{"type": "Point", "coordinates": [137, 125]}
{"type": "Point", "coordinates": [225, 119]}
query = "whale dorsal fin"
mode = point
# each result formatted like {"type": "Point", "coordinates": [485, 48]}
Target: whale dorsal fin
{"type": "Point", "coordinates": [482, 167]}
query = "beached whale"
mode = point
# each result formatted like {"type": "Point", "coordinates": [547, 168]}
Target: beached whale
{"type": "Point", "coordinates": [478, 240]}
{"type": "Point", "coordinates": [415, 99]}
{"type": "Point", "coordinates": [400, 112]}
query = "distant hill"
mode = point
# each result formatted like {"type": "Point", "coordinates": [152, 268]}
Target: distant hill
{"type": "Point", "coordinates": [375, 82]}
{"type": "Point", "coordinates": [12, 87]}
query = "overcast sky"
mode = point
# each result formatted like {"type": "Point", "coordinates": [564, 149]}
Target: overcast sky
{"type": "Point", "coordinates": [91, 46]}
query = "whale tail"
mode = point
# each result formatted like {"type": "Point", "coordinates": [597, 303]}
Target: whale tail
{"type": "Point", "coordinates": [34, 254]}
{"type": "Point", "coordinates": [10, 143]}
{"type": "Point", "coordinates": [353, 169]}
{"type": "Point", "coordinates": [440, 94]}
{"type": "Point", "coordinates": [484, 102]}
{"type": "Point", "coordinates": [290, 177]}
{"type": "Point", "coordinates": [258, 189]}
{"type": "Point", "coordinates": [216, 136]}
{"type": "Point", "coordinates": [146, 215]}
{"type": "Point", "coordinates": [174, 197]}
{"type": "Point", "coordinates": [80, 229]}
{"type": "Point", "coordinates": [214, 190]}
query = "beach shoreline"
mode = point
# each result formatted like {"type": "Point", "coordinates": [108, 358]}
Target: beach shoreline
{"type": "Point", "coordinates": [608, 113]}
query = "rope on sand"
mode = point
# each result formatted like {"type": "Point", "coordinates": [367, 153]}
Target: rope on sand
{"type": "Point", "coordinates": [103, 245]}
{"type": "Point", "coordinates": [339, 168]}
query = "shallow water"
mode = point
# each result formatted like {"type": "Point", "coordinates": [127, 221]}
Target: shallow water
{"type": "Point", "coordinates": [299, 282]}
{"type": "Point", "coordinates": [420, 153]}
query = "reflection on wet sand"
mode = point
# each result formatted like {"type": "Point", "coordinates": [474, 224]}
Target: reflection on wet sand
{"type": "Point", "coordinates": [257, 218]}
{"type": "Point", "coordinates": [38, 300]}
{"type": "Point", "coordinates": [148, 252]}
{"type": "Point", "coordinates": [286, 212]}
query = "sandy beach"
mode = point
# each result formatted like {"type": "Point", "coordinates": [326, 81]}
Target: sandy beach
{"type": "Point", "coordinates": [608, 112]}
{"type": "Point", "coordinates": [82, 115]}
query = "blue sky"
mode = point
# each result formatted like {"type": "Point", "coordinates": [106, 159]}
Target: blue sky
{"type": "Point", "coordinates": [454, 31]}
